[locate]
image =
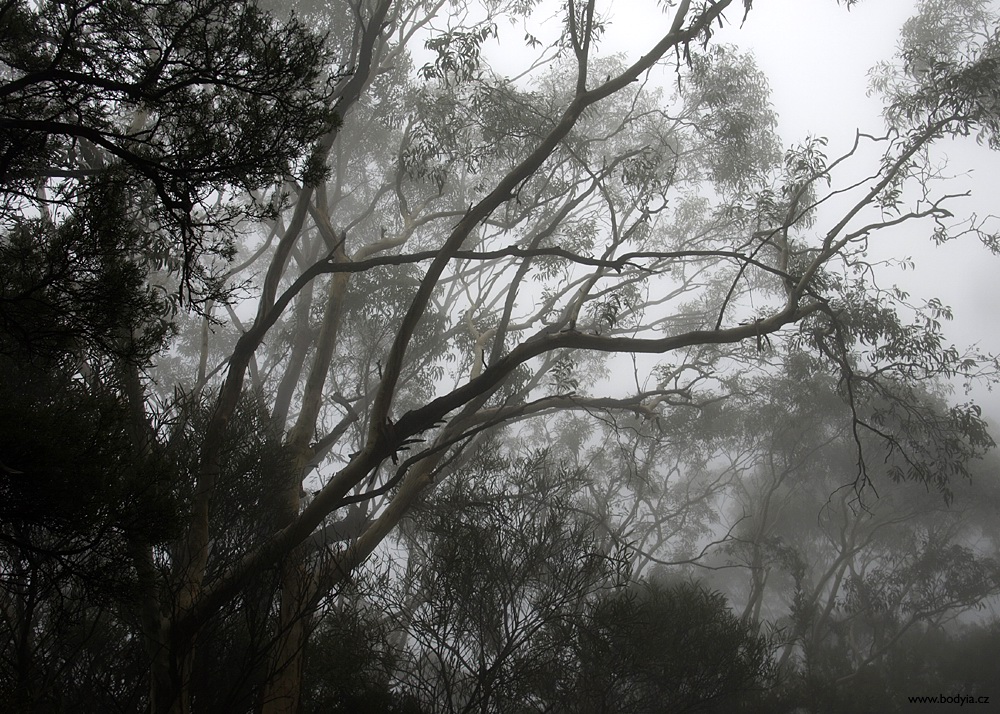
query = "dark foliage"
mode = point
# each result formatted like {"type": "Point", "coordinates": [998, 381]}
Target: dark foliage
{"type": "Point", "coordinates": [78, 288]}
{"type": "Point", "coordinates": [657, 648]}
{"type": "Point", "coordinates": [189, 103]}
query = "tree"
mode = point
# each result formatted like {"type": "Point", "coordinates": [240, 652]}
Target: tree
{"type": "Point", "coordinates": [510, 601]}
{"type": "Point", "coordinates": [499, 573]}
{"type": "Point", "coordinates": [484, 251]}
{"type": "Point", "coordinates": [130, 136]}
{"type": "Point", "coordinates": [855, 585]}
{"type": "Point", "coordinates": [192, 106]}
{"type": "Point", "coordinates": [661, 648]}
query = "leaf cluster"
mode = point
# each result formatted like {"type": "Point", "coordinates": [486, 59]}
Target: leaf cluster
{"type": "Point", "coordinates": [670, 648]}
{"type": "Point", "coordinates": [78, 287]}
{"type": "Point", "coordinates": [195, 102]}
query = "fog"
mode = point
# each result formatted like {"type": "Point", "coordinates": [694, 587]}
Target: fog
{"type": "Point", "coordinates": [498, 356]}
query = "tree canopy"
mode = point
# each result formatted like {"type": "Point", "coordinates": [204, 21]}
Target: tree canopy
{"type": "Point", "coordinates": [314, 322]}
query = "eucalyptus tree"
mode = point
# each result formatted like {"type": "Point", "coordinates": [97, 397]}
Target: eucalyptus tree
{"type": "Point", "coordinates": [852, 581]}
{"type": "Point", "coordinates": [480, 244]}
{"type": "Point", "coordinates": [130, 136]}
{"type": "Point", "coordinates": [501, 569]}
{"type": "Point", "coordinates": [440, 160]}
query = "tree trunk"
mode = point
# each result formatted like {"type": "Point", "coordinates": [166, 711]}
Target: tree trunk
{"type": "Point", "coordinates": [282, 692]}
{"type": "Point", "coordinates": [169, 691]}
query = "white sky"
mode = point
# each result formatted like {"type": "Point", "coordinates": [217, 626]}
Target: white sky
{"type": "Point", "coordinates": [818, 77]}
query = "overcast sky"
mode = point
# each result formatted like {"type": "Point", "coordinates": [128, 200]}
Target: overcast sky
{"type": "Point", "coordinates": [816, 55]}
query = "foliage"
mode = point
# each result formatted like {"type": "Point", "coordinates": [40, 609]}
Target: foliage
{"type": "Point", "coordinates": [74, 495]}
{"type": "Point", "coordinates": [659, 648]}
{"type": "Point", "coordinates": [76, 288]}
{"type": "Point", "coordinates": [952, 54]}
{"type": "Point", "coordinates": [181, 102]}
{"type": "Point", "coordinates": [351, 664]}
{"type": "Point", "coordinates": [501, 569]}
{"type": "Point", "coordinates": [856, 585]}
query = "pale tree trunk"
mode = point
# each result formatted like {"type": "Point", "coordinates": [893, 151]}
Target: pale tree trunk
{"type": "Point", "coordinates": [170, 657]}
{"type": "Point", "coordinates": [281, 692]}
{"type": "Point", "coordinates": [169, 691]}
